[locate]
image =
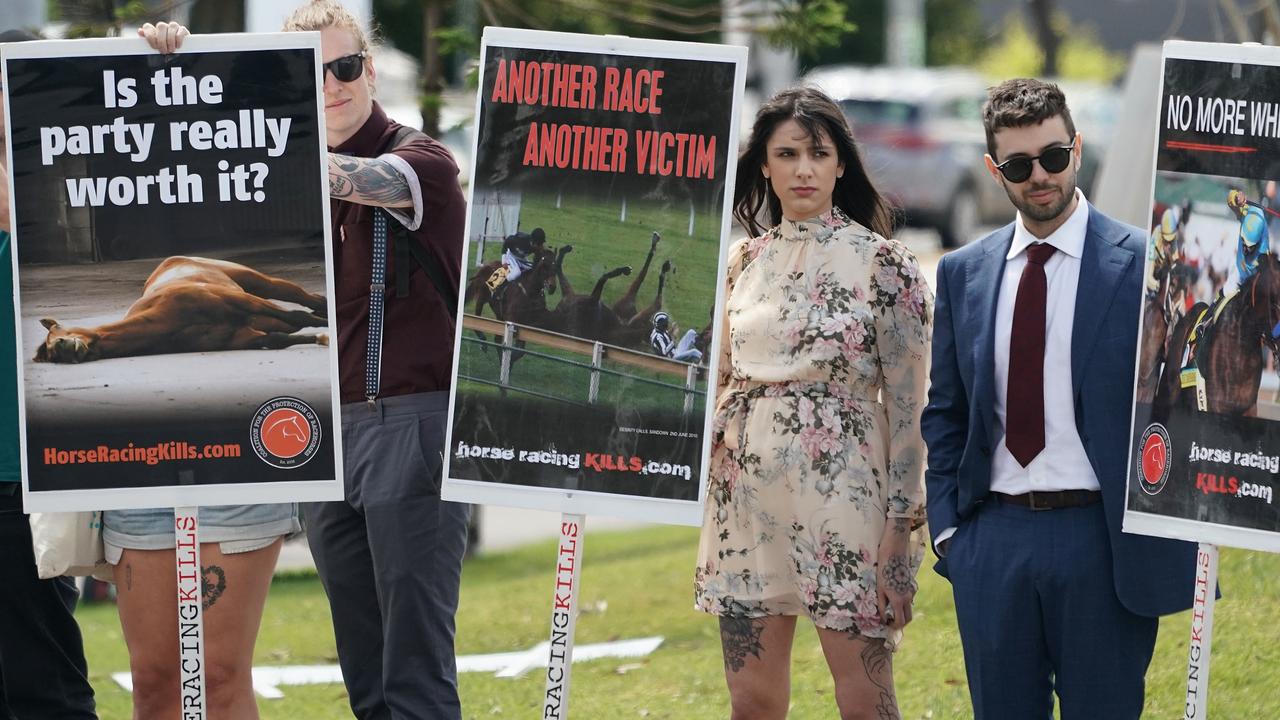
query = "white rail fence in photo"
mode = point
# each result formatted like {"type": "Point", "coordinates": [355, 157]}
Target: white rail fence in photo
{"type": "Point", "coordinates": [512, 333]}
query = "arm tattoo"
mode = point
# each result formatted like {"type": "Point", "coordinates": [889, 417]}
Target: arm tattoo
{"type": "Point", "coordinates": [740, 637]}
{"type": "Point", "coordinates": [339, 187]}
{"type": "Point", "coordinates": [878, 663]}
{"type": "Point", "coordinates": [897, 575]}
{"type": "Point", "coordinates": [367, 181]}
{"type": "Point", "coordinates": [214, 582]}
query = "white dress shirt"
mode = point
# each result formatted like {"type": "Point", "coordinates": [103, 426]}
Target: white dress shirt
{"type": "Point", "coordinates": [1062, 464]}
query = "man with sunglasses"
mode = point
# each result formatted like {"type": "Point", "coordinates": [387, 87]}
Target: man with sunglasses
{"type": "Point", "coordinates": [1035, 330]}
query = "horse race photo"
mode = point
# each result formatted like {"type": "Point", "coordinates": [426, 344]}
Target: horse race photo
{"type": "Point", "coordinates": [1209, 346]}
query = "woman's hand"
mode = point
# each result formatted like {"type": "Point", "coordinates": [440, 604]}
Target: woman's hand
{"type": "Point", "coordinates": [895, 580]}
{"type": "Point", "coordinates": [166, 37]}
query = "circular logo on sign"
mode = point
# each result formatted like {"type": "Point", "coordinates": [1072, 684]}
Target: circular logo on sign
{"type": "Point", "coordinates": [285, 433]}
{"type": "Point", "coordinates": [1153, 460]}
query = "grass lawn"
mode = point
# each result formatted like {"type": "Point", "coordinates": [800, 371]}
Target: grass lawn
{"type": "Point", "coordinates": [639, 583]}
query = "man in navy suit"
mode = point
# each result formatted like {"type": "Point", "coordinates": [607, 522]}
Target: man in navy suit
{"type": "Point", "coordinates": [1027, 427]}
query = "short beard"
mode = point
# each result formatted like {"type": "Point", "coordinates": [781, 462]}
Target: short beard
{"type": "Point", "coordinates": [1040, 213]}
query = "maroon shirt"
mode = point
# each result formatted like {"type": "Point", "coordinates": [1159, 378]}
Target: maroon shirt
{"type": "Point", "coordinates": [417, 335]}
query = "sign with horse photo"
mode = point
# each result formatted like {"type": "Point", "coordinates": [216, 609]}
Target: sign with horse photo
{"type": "Point", "coordinates": [173, 292]}
{"type": "Point", "coordinates": [1205, 453]}
{"type": "Point", "coordinates": [599, 214]}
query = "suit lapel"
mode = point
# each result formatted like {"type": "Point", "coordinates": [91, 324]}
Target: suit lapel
{"type": "Point", "coordinates": [1102, 266]}
{"type": "Point", "coordinates": [983, 277]}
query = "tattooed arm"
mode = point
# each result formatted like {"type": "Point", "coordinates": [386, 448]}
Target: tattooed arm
{"type": "Point", "coordinates": [895, 576]}
{"type": "Point", "coordinates": [367, 181]}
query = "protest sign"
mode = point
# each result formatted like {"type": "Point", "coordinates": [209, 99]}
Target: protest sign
{"type": "Point", "coordinates": [170, 228]}
{"type": "Point", "coordinates": [1205, 450]}
{"type": "Point", "coordinates": [619, 152]}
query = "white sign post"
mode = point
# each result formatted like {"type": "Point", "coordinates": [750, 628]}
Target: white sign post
{"type": "Point", "coordinates": [186, 525]}
{"type": "Point", "coordinates": [564, 616]}
{"type": "Point", "coordinates": [1197, 705]}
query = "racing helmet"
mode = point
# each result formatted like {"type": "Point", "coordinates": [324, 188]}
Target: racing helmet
{"type": "Point", "coordinates": [1253, 227]}
{"type": "Point", "coordinates": [661, 320]}
{"type": "Point", "coordinates": [1169, 224]}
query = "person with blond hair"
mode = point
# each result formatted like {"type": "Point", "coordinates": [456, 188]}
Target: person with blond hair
{"type": "Point", "coordinates": [389, 554]}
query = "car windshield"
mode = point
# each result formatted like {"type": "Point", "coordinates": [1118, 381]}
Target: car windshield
{"type": "Point", "coordinates": [880, 112]}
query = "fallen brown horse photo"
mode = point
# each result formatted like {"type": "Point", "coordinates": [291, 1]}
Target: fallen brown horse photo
{"type": "Point", "coordinates": [192, 304]}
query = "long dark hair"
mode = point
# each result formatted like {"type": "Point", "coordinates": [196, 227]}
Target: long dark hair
{"type": "Point", "coordinates": [815, 112]}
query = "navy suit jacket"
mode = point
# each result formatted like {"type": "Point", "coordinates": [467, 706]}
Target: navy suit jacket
{"type": "Point", "coordinates": [1152, 576]}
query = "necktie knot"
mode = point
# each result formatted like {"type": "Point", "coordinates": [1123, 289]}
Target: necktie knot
{"type": "Point", "coordinates": [1040, 253]}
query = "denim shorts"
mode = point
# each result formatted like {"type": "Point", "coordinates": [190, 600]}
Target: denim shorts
{"type": "Point", "coordinates": [236, 528]}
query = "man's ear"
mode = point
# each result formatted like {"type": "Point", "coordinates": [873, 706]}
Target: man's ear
{"type": "Point", "coordinates": [1078, 152]}
{"type": "Point", "coordinates": [993, 170]}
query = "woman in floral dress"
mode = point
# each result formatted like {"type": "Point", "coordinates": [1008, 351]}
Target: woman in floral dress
{"type": "Point", "coordinates": [816, 491]}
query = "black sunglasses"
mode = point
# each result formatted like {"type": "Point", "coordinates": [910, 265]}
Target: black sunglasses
{"type": "Point", "coordinates": [346, 68]}
{"type": "Point", "coordinates": [1053, 160]}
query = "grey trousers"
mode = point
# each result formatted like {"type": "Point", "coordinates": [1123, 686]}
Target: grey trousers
{"type": "Point", "coordinates": [390, 559]}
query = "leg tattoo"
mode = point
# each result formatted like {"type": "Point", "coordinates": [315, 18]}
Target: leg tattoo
{"type": "Point", "coordinates": [879, 665]}
{"type": "Point", "coordinates": [740, 637]}
{"type": "Point", "coordinates": [214, 582]}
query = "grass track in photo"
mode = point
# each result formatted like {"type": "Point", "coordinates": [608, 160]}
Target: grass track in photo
{"type": "Point", "coordinates": [602, 241]}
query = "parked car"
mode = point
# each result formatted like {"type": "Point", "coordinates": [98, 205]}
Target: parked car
{"type": "Point", "coordinates": [920, 130]}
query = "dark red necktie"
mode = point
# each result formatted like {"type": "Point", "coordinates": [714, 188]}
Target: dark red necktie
{"type": "Point", "coordinates": [1024, 407]}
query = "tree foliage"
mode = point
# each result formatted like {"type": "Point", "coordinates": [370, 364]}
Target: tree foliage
{"type": "Point", "coordinates": [1081, 55]}
{"type": "Point", "coordinates": [953, 34]}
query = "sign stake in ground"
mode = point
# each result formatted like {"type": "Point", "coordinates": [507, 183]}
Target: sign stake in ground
{"type": "Point", "coordinates": [186, 525]}
{"type": "Point", "coordinates": [1197, 705]}
{"type": "Point", "coordinates": [564, 616]}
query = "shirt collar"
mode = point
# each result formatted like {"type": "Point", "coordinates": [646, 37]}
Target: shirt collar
{"type": "Point", "coordinates": [819, 226]}
{"type": "Point", "coordinates": [1068, 238]}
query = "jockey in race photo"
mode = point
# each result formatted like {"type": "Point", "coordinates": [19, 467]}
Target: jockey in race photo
{"type": "Point", "coordinates": [1163, 248]}
{"type": "Point", "coordinates": [517, 250]}
{"type": "Point", "coordinates": [1252, 243]}
{"type": "Point", "coordinates": [1254, 239]}
{"type": "Point", "coordinates": [660, 339]}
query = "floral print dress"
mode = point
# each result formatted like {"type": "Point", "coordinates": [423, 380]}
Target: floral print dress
{"type": "Point", "coordinates": [816, 443]}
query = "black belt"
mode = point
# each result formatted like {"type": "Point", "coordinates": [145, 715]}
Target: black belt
{"type": "Point", "coordinates": [1056, 500]}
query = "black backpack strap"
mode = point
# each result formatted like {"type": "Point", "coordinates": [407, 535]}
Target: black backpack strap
{"type": "Point", "coordinates": [406, 246]}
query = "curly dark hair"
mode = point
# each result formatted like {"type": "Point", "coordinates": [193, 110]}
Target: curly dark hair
{"type": "Point", "coordinates": [816, 113]}
{"type": "Point", "coordinates": [1021, 102]}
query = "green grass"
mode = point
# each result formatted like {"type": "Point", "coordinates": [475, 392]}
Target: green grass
{"type": "Point", "coordinates": [639, 583]}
